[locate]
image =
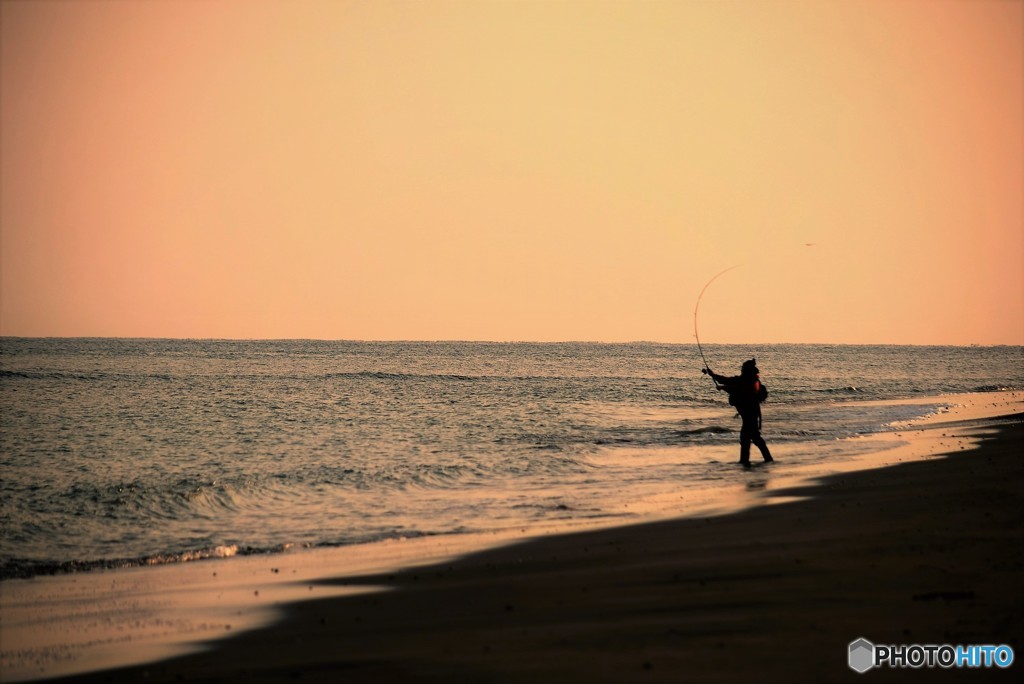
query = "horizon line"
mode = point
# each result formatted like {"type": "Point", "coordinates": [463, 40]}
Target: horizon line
{"type": "Point", "coordinates": [509, 342]}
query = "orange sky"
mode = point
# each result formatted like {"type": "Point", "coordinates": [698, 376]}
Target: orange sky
{"type": "Point", "coordinates": [514, 170]}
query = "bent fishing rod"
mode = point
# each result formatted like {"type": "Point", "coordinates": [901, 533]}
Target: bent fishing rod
{"type": "Point", "coordinates": [696, 335]}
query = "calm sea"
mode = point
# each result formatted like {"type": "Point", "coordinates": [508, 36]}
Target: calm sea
{"type": "Point", "coordinates": [122, 452]}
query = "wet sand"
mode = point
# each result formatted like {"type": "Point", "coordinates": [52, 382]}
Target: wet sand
{"type": "Point", "coordinates": [921, 552]}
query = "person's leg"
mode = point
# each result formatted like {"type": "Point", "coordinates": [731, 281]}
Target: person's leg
{"type": "Point", "coordinates": [745, 444]}
{"type": "Point", "coordinates": [758, 441]}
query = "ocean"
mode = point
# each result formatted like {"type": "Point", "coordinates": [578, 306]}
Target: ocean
{"type": "Point", "coordinates": [121, 452]}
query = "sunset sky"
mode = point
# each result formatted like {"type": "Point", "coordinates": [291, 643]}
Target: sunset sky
{"type": "Point", "coordinates": [498, 170]}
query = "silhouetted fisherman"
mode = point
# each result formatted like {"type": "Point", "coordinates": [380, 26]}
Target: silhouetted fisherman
{"type": "Point", "coordinates": [746, 392]}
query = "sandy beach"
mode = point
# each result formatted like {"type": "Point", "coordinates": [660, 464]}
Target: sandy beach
{"type": "Point", "coordinates": [925, 552]}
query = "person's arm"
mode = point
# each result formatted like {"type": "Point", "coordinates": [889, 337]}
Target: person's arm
{"type": "Point", "coordinates": [720, 380]}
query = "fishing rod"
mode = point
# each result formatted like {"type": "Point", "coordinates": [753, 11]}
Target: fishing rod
{"type": "Point", "coordinates": [696, 309]}
{"type": "Point", "coordinates": [707, 369]}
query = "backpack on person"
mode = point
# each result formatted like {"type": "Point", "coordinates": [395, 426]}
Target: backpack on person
{"type": "Point", "coordinates": [758, 391]}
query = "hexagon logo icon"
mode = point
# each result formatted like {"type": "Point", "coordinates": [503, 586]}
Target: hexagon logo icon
{"type": "Point", "coordinates": [862, 655]}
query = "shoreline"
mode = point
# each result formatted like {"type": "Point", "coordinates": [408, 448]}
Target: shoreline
{"type": "Point", "coordinates": [794, 467]}
{"type": "Point", "coordinates": [660, 600]}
